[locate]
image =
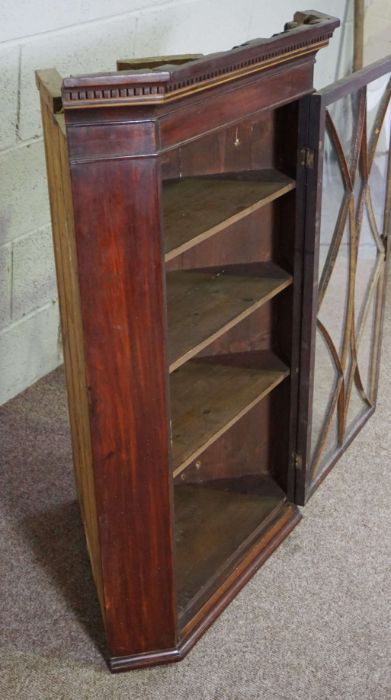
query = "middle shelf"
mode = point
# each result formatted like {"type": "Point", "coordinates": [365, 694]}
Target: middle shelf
{"type": "Point", "coordinates": [210, 394]}
{"type": "Point", "coordinates": [204, 304]}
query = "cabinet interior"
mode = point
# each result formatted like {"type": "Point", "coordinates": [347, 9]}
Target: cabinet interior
{"type": "Point", "coordinates": [228, 214]}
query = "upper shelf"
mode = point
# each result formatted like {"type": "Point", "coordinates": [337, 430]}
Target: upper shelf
{"type": "Point", "coordinates": [196, 208]}
{"type": "Point", "coordinates": [204, 304]}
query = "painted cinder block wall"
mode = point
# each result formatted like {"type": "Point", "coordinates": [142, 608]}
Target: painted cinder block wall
{"type": "Point", "coordinates": [80, 37]}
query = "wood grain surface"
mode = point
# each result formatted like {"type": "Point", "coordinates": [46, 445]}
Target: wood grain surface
{"type": "Point", "coordinates": [202, 305]}
{"type": "Point", "coordinates": [214, 522]}
{"type": "Point", "coordinates": [208, 398]}
{"type": "Point", "coordinates": [197, 208]}
{"type": "Point", "coordinates": [64, 244]}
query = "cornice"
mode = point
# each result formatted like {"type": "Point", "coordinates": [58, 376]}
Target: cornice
{"type": "Point", "coordinates": [308, 32]}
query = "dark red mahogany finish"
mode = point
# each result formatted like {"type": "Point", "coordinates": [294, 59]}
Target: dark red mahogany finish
{"type": "Point", "coordinates": [119, 126]}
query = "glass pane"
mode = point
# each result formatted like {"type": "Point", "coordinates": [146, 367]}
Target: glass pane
{"type": "Point", "coordinates": [379, 126]}
{"type": "Point", "coordinates": [323, 456]}
{"type": "Point", "coordinates": [332, 204]}
{"type": "Point", "coordinates": [362, 397]}
{"type": "Point", "coordinates": [325, 386]}
{"type": "Point", "coordinates": [334, 306]}
{"type": "Point", "coordinates": [368, 256]}
{"type": "Point", "coordinates": [345, 117]}
{"type": "Point", "coordinates": [357, 409]}
{"type": "Point", "coordinates": [366, 339]}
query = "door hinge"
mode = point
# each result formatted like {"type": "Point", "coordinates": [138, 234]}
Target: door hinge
{"type": "Point", "coordinates": [307, 157]}
{"type": "Point", "coordinates": [298, 462]}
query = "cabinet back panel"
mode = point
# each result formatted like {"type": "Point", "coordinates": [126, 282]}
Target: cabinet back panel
{"type": "Point", "coordinates": [244, 449]}
{"type": "Point", "coordinates": [247, 145]}
{"type": "Point", "coordinates": [247, 240]}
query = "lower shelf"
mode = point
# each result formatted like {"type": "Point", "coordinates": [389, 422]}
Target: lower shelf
{"type": "Point", "coordinates": [215, 523]}
{"type": "Point", "coordinates": [210, 394]}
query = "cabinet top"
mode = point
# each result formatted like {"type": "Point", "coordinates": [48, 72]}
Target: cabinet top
{"type": "Point", "coordinates": [165, 83]}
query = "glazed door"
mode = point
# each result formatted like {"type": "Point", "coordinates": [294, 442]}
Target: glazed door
{"type": "Point", "coordinates": [345, 155]}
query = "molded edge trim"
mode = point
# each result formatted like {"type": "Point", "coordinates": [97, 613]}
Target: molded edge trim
{"type": "Point", "coordinates": [130, 95]}
{"type": "Point", "coordinates": [306, 34]}
{"type": "Point", "coordinates": [257, 555]}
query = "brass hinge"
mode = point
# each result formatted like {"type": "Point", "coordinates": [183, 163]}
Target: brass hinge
{"type": "Point", "coordinates": [171, 435]}
{"type": "Point", "coordinates": [307, 157]}
{"type": "Point", "coordinates": [298, 462]}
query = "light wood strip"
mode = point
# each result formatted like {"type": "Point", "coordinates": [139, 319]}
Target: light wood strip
{"type": "Point", "coordinates": [208, 398]}
{"type": "Point", "coordinates": [49, 82]}
{"type": "Point", "coordinates": [72, 336]}
{"type": "Point", "coordinates": [196, 208]}
{"type": "Point", "coordinates": [202, 305]}
{"type": "Point", "coordinates": [150, 62]}
{"type": "Point", "coordinates": [60, 119]}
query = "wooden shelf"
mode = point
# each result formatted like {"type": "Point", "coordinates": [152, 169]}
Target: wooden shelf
{"type": "Point", "coordinates": [210, 395]}
{"type": "Point", "coordinates": [196, 208]}
{"type": "Point", "coordinates": [215, 523]}
{"type": "Point", "coordinates": [204, 304]}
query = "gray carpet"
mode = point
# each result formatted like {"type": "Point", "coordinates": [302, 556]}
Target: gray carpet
{"type": "Point", "coordinates": [315, 622]}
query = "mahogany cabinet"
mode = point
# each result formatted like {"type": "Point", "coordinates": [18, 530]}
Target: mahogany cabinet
{"type": "Point", "coordinates": [221, 325]}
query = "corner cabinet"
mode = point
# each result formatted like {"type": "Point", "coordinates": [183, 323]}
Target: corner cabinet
{"type": "Point", "coordinates": [186, 199]}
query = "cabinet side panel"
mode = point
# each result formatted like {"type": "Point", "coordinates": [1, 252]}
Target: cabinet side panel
{"type": "Point", "coordinates": [72, 334]}
{"type": "Point", "coordinates": [117, 220]}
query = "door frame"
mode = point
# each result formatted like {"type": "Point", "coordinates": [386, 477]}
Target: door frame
{"type": "Point", "coordinates": [311, 155]}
